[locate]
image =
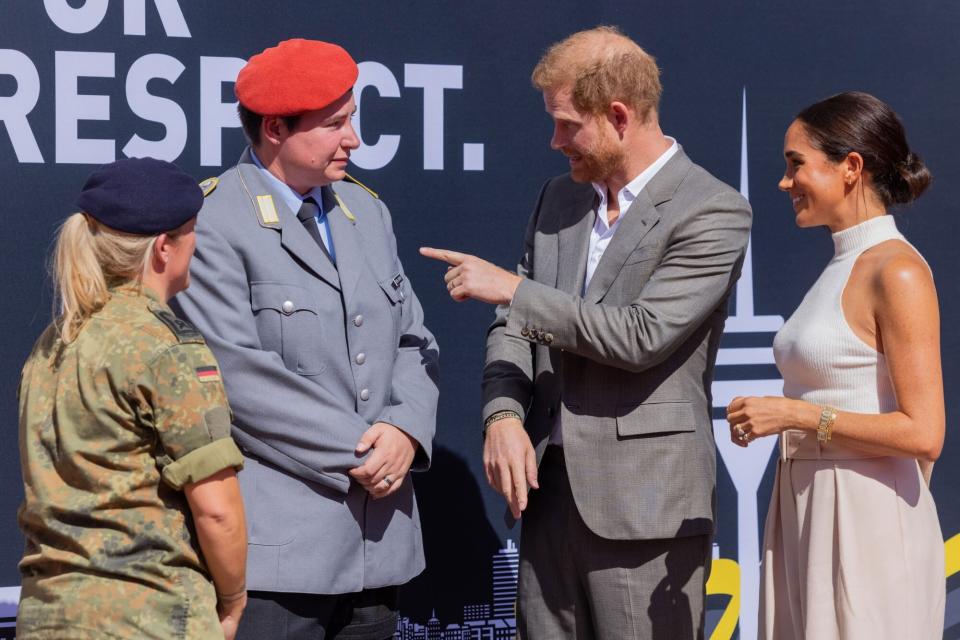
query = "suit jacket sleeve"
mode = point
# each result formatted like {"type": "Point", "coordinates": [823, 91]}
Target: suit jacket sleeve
{"type": "Point", "coordinates": [416, 371]}
{"type": "Point", "coordinates": [508, 373]}
{"type": "Point", "coordinates": [696, 273]}
{"type": "Point", "coordinates": [279, 417]}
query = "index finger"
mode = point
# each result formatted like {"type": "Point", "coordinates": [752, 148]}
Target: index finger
{"type": "Point", "coordinates": [519, 484]}
{"type": "Point", "coordinates": [450, 257]}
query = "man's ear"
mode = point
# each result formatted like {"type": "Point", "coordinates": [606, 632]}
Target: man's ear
{"type": "Point", "coordinates": [273, 129]}
{"type": "Point", "coordinates": [620, 116]}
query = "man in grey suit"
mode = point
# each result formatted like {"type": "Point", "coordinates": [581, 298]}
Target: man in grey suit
{"type": "Point", "coordinates": [599, 363]}
{"type": "Point", "coordinates": [329, 369]}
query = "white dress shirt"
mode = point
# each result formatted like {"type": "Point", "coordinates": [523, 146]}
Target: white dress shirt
{"type": "Point", "coordinates": [602, 232]}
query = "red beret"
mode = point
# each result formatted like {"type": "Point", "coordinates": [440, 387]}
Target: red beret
{"type": "Point", "coordinates": [294, 77]}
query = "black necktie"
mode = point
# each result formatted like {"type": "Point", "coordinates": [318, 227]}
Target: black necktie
{"type": "Point", "coordinates": [308, 217]}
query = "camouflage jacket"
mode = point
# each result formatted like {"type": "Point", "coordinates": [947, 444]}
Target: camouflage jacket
{"type": "Point", "coordinates": [112, 426]}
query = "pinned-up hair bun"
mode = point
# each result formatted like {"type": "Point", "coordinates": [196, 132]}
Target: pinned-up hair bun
{"type": "Point", "coordinates": [859, 122]}
{"type": "Point", "coordinates": [913, 178]}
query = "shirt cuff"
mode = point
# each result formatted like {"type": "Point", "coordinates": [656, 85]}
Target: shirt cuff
{"type": "Point", "coordinates": [202, 463]}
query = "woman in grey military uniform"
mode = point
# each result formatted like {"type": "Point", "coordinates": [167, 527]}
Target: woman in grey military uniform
{"type": "Point", "coordinates": [132, 513]}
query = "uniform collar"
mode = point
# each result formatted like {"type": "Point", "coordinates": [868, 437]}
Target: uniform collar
{"type": "Point", "coordinates": [290, 197]}
{"type": "Point", "coordinates": [136, 288]}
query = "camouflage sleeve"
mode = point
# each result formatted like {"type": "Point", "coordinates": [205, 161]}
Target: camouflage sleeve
{"type": "Point", "coordinates": [191, 416]}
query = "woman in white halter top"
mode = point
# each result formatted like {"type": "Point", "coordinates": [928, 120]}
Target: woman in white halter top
{"type": "Point", "coordinates": [852, 543]}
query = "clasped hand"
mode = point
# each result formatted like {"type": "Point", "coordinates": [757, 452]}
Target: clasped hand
{"type": "Point", "coordinates": [385, 469]}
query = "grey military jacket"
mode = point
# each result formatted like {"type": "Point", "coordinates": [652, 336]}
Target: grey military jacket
{"type": "Point", "coordinates": [312, 354]}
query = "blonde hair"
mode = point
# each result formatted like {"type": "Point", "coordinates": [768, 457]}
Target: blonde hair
{"type": "Point", "coordinates": [600, 66]}
{"type": "Point", "coordinates": [88, 259]}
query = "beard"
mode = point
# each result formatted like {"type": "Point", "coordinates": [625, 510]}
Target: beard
{"type": "Point", "coordinates": [597, 164]}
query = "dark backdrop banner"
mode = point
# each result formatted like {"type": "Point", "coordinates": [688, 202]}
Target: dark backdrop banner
{"type": "Point", "coordinates": [456, 142]}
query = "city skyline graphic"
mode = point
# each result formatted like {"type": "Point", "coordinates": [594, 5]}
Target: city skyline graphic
{"type": "Point", "coordinates": [494, 620]}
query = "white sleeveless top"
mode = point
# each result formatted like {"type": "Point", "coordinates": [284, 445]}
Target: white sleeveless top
{"type": "Point", "coordinates": [819, 356]}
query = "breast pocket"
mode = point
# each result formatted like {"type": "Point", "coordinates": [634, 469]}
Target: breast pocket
{"type": "Point", "coordinates": [632, 278]}
{"type": "Point", "coordinates": [642, 254]}
{"type": "Point", "coordinates": [395, 288]}
{"type": "Point", "coordinates": [289, 323]}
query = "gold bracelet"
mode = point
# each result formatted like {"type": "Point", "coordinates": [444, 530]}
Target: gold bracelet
{"type": "Point", "coordinates": [499, 415]}
{"type": "Point", "coordinates": [828, 415]}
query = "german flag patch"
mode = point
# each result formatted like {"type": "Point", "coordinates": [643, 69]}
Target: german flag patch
{"type": "Point", "coordinates": [208, 374]}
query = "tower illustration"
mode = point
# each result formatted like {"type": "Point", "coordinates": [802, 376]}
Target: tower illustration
{"type": "Point", "coordinates": [744, 364]}
{"type": "Point", "coordinates": [506, 564]}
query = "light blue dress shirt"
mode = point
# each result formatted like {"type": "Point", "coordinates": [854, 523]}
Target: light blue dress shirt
{"type": "Point", "coordinates": [294, 201]}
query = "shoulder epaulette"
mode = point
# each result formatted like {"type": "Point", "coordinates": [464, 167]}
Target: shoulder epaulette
{"type": "Point", "coordinates": [184, 331]}
{"type": "Point", "coordinates": [208, 185]}
{"type": "Point", "coordinates": [350, 178]}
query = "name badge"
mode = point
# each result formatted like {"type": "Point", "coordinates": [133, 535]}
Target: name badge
{"type": "Point", "coordinates": [397, 283]}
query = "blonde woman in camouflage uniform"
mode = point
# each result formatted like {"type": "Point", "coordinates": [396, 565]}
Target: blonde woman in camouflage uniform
{"type": "Point", "coordinates": [131, 502]}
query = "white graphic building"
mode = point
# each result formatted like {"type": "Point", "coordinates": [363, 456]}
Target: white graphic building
{"type": "Point", "coordinates": [747, 342]}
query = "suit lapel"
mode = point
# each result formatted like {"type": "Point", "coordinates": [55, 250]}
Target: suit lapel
{"type": "Point", "coordinates": [346, 243]}
{"type": "Point", "coordinates": [634, 226]}
{"type": "Point", "coordinates": [293, 237]}
{"type": "Point", "coordinates": [574, 242]}
{"type": "Point", "coordinates": [640, 218]}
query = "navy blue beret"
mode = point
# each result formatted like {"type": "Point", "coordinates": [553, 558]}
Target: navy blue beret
{"type": "Point", "coordinates": [143, 196]}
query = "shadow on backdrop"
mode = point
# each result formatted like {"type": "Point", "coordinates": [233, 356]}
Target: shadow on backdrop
{"type": "Point", "coordinates": [458, 542]}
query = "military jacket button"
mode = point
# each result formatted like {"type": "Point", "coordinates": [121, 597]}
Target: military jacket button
{"type": "Point", "coordinates": [548, 338]}
{"type": "Point", "coordinates": [358, 320]}
{"type": "Point", "coordinates": [287, 307]}
{"type": "Point", "coordinates": [360, 359]}
{"type": "Point", "coordinates": [525, 332]}
{"type": "Point", "coordinates": [365, 394]}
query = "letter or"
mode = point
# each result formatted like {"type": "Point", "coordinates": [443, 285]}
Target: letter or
{"type": "Point", "coordinates": [171, 16]}
{"type": "Point", "coordinates": [433, 79]}
{"type": "Point", "coordinates": [14, 109]}
{"type": "Point", "coordinates": [82, 19]}
{"type": "Point", "coordinates": [72, 107]}
{"type": "Point", "coordinates": [156, 109]}
{"type": "Point", "coordinates": [215, 114]}
{"type": "Point", "coordinates": [374, 75]}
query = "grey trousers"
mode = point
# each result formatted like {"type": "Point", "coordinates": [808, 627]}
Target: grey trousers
{"type": "Point", "coordinates": [574, 584]}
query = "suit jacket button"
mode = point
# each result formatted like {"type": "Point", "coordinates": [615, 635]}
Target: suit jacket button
{"type": "Point", "coordinates": [358, 320]}
{"type": "Point", "coordinates": [525, 332]}
{"type": "Point", "coordinates": [365, 394]}
{"type": "Point", "coordinates": [548, 338]}
{"type": "Point", "coordinates": [361, 358]}
{"type": "Point", "coordinates": [287, 307]}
